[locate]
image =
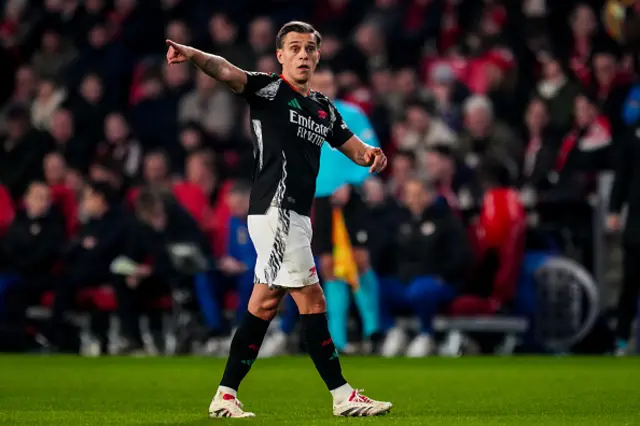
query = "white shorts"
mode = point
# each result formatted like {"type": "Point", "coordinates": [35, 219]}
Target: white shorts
{"type": "Point", "coordinates": [282, 239]}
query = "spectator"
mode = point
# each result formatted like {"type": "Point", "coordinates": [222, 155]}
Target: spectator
{"type": "Point", "coordinates": [433, 256]}
{"type": "Point", "coordinates": [50, 97]}
{"type": "Point", "coordinates": [424, 130]}
{"type": "Point", "coordinates": [223, 41]}
{"type": "Point", "coordinates": [30, 248]}
{"type": "Point", "coordinates": [25, 88]}
{"type": "Point", "coordinates": [77, 151]}
{"type": "Point", "coordinates": [120, 146]}
{"type": "Point", "coordinates": [261, 35]}
{"type": "Point", "coordinates": [153, 244]}
{"type": "Point", "coordinates": [484, 137]}
{"type": "Point", "coordinates": [21, 152]}
{"type": "Point", "coordinates": [449, 95]}
{"type": "Point", "coordinates": [89, 107]}
{"type": "Point", "coordinates": [557, 90]}
{"type": "Point", "coordinates": [54, 56]}
{"type": "Point", "coordinates": [178, 31]}
{"type": "Point", "coordinates": [403, 166]}
{"type": "Point", "coordinates": [88, 257]}
{"type": "Point", "coordinates": [543, 142]}
{"type": "Point", "coordinates": [209, 105]}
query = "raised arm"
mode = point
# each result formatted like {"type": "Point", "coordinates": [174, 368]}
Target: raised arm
{"type": "Point", "coordinates": [212, 65]}
{"type": "Point", "coordinates": [364, 155]}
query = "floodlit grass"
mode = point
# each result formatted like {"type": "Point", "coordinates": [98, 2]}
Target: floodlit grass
{"type": "Point", "coordinates": [41, 390]}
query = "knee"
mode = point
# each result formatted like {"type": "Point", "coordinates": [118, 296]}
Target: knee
{"type": "Point", "coordinates": [265, 309]}
{"type": "Point", "coordinates": [311, 300]}
{"type": "Point", "coordinates": [361, 257]}
{"type": "Point", "coordinates": [422, 291]}
{"type": "Point", "coordinates": [326, 267]}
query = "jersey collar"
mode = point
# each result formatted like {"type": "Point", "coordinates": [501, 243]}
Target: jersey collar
{"type": "Point", "coordinates": [293, 88]}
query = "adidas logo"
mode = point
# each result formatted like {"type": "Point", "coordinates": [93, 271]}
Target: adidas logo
{"type": "Point", "coordinates": [294, 104]}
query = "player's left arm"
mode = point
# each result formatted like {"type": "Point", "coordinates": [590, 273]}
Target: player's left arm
{"type": "Point", "coordinates": [363, 154]}
{"type": "Point", "coordinates": [343, 139]}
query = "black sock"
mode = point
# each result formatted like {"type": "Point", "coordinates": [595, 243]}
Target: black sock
{"type": "Point", "coordinates": [244, 350]}
{"type": "Point", "coordinates": [322, 350]}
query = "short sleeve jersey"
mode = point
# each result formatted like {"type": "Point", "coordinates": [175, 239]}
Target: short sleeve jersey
{"type": "Point", "coordinates": [289, 130]}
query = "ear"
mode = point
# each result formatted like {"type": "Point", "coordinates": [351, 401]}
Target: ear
{"type": "Point", "coordinates": [280, 56]}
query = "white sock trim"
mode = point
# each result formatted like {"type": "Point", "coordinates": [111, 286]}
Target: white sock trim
{"type": "Point", "coordinates": [228, 391]}
{"type": "Point", "coordinates": [341, 393]}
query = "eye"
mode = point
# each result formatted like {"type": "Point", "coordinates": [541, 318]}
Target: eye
{"type": "Point", "coordinates": [311, 49]}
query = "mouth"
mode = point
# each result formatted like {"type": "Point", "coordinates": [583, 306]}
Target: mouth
{"type": "Point", "coordinates": [304, 68]}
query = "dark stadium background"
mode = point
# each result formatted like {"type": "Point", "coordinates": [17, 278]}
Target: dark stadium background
{"type": "Point", "coordinates": [100, 103]}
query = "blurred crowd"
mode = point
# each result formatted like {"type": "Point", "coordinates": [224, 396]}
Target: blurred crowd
{"type": "Point", "coordinates": [107, 153]}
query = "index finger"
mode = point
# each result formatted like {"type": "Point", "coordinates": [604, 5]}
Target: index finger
{"type": "Point", "coordinates": [171, 43]}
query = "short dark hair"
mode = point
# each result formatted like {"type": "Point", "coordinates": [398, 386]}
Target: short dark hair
{"type": "Point", "coordinates": [105, 190]}
{"type": "Point", "coordinates": [296, 27]}
{"type": "Point", "coordinates": [148, 200]}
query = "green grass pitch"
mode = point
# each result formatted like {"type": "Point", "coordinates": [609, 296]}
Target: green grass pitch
{"type": "Point", "coordinates": [40, 390]}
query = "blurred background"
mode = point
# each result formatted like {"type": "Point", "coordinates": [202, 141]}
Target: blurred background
{"type": "Point", "coordinates": [124, 182]}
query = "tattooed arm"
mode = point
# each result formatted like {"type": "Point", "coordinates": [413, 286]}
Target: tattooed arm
{"type": "Point", "coordinates": [364, 155]}
{"type": "Point", "coordinates": [212, 65]}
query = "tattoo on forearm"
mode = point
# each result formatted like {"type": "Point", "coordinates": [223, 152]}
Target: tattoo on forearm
{"type": "Point", "coordinates": [209, 64]}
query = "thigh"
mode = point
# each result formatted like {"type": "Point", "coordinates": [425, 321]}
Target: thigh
{"type": "Point", "coordinates": [323, 226]}
{"type": "Point", "coordinates": [356, 218]}
{"type": "Point", "coordinates": [429, 288]}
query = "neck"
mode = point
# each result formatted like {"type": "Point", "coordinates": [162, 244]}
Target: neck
{"type": "Point", "coordinates": [302, 88]}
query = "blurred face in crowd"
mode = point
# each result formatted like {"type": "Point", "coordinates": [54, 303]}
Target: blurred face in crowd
{"type": "Point", "coordinates": [91, 88]}
{"type": "Point", "coordinates": [299, 56]}
{"type": "Point", "coordinates": [552, 69]}
{"type": "Point", "coordinates": [178, 32]}
{"type": "Point", "coordinates": [94, 6]}
{"type": "Point", "coordinates": [62, 126]}
{"type": "Point", "coordinates": [536, 116]}
{"type": "Point", "coordinates": [418, 119]}
{"type": "Point", "coordinates": [604, 67]}
{"type": "Point", "coordinates": [125, 6]}
{"type": "Point", "coordinates": [406, 81]}
{"type": "Point", "coordinates": [17, 127]}
{"type": "Point", "coordinates": [477, 121]}
{"type": "Point", "coordinates": [382, 81]}
{"type": "Point", "coordinates": [401, 167]}
{"type": "Point", "coordinates": [369, 39]}
{"type": "Point", "coordinates": [116, 128]}
{"type": "Point", "coordinates": [25, 82]}
{"type": "Point", "coordinates": [155, 168]}
{"type": "Point", "coordinates": [199, 168]}
{"type": "Point", "coordinates": [267, 64]}
{"type": "Point", "coordinates": [176, 75]}
{"type": "Point", "coordinates": [325, 83]}
{"type": "Point", "coordinates": [75, 182]}
{"type": "Point", "coordinates": [37, 200]}
{"type": "Point", "coordinates": [93, 203]}
{"type": "Point", "coordinates": [261, 34]}
{"type": "Point", "coordinates": [55, 169]}
{"type": "Point", "coordinates": [50, 42]}
{"type": "Point", "coordinates": [374, 191]}
{"type": "Point", "coordinates": [438, 166]}
{"type": "Point", "coordinates": [46, 89]}
{"type": "Point", "coordinates": [585, 112]}
{"type": "Point", "coordinates": [583, 22]}
{"type": "Point", "coordinates": [330, 46]}
{"type": "Point", "coordinates": [155, 215]}
{"type": "Point", "coordinates": [221, 30]}
{"type": "Point", "coordinates": [239, 203]}
{"type": "Point", "coordinates": [190, 139]}
{"type": "Point", "coordinates": [98, 37]}
{"type": "Point", "coordinates": [416, 196]}
{"type": "Point", "coordinates": [152, 87]}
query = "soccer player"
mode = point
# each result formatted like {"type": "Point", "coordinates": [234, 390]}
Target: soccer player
{"type": "Point", "coordinates": [290, 123]}
{"type": "Point", "coordinates": [339, 184]}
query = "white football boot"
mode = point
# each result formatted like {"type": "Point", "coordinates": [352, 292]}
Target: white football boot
{"type": "Point", "coordinates": [421, 346]}
{"type": "Point", "coordinates": [226, 405]}
{"type": "Point", "coordinates": [358, 405]}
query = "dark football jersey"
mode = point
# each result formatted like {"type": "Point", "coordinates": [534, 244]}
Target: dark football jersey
{"type": "Point", "coordinates": [289, 129]}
